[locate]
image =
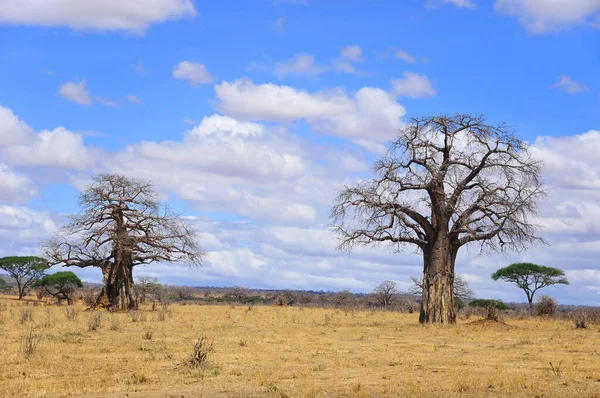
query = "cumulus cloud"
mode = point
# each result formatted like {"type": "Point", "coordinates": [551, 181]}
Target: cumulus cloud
{"type": "Point", "coordinates": [301, 64]}
{"type": "Point", "coordinates": [76, 92]}
{"type": "Point", "coordinates": [192, 72]}
{"type": "Point", "coordinates": [566, 84]}
{"type": "Point", "coordinates": [22, 229]}
{"type": "Point", "coordinates": [115, 15]}
{"type": "Point", "coordinates": [13, 131]}
{"type": "Point", "coordinates": [237, 167]}
{"type": "Point", "coordinates": [15, 188]}
{"type": "Point", "coordinates": [371, 115]}
{"type": "Point", "coordinates": [52, 148]}
{"type": "Point", "coordinates": [540, 16]}
{"type": "Point", "coordinates": [413, 85]}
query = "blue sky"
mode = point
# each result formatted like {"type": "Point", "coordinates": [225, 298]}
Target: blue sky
{"type": "Point", "coordinates": [249, 116]}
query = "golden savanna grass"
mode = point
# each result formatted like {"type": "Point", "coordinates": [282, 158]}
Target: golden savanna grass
{"type": "Point", "coordinates": [288, 351]}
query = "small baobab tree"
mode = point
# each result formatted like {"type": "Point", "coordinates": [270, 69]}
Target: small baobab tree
{"type": "Point", "coordinates": [445, 182]}
{"type": "Point", "coordinates": [384, 293]}
{"type": "Point", "coordinates": [122, 225]}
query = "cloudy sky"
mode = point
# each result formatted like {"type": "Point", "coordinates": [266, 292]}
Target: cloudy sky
{"type": "Point", "coordinates": [249, 116]}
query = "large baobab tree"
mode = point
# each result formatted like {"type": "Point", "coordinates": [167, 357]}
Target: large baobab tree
{"type": "Point", "coordinates": [122, 225]}
{"type": "Point", "coordinates": [445, 182]}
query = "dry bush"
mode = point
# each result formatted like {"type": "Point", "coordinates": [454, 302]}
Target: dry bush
{"type": "Point", "coordinates": [200, 352]}
{"type": "Point", "coordinates": [138, 316]}
{"type": "Point", "coordinates": [71, 313]}
{"type": "Point", "coordinates": [26, 315]}
{"type": "Point", "coordinates": [546, 306]}
{"type": "Point", "coordinates": [114, 323]}
{"type": "Point", "coordinates": [89, 296]}
{"type": "Point", "coordinates": [94, 321]}
{"type": "Point", "coordinates": [29, 343]}
{"type": "Point", "coordinates": [580, 319]}
{"type": "Point", "coordinates": [492, 313]}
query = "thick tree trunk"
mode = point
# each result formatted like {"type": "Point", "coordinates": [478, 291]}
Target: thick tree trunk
{"type": "Point", "coordinates": [118, 292]}
{"type": "Point", "coordinates": [437, 304]}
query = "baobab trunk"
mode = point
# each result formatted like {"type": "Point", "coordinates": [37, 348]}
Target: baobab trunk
{"type": "Point", "coordinates": [119, 289]}
{"type": "Point", "coordinates": [437, 303]}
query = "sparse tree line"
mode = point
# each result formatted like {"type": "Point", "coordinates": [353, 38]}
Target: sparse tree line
{"type": "Point", "coordinates": [444, 183]}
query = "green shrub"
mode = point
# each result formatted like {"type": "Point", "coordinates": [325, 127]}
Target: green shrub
{"type": "Point", "coordinates": [485, 303]}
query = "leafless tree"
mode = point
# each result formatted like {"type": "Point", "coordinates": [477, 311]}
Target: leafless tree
{"type": "Point", "coordinates": [445, 182]}
{"type": "Point", "coordinates": [460, 287]}
{"type": "Point", "coordinates": [146, 286]}
{"type": "Point", "coordinates": [238, 293]}
{"type": "Point", "coordinates": [385, 293]}
{"type": "Point", "coordinates": [122, 225]}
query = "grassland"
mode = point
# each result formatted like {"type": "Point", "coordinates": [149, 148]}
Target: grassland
{"type": "Point", "coordinates": [289, 351]}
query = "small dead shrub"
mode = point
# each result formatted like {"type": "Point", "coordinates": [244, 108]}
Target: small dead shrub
{"type": "Point", "coordinates": [89, 297]}
{"type": "Point", "coordinates": [200, 352]}
{"type": "Point", "coordinates": [29, 343]}
{"type": "Point", "coordinates": [94, 321]}
{"type": "Point", "coordinates": [138, 316]}
{"type": "Point", "coordinates": [114, 323]}
{"type": "Point", "coordinates": [71, 313]}
{"type": "Point", "coordinates": [580, 319]}
{"type": "Point", "coordinates": [491, 313]}
{"type": "Point", "coordinates": [546, 306]}
{"type": "Point", "coordinates": [26, 315]}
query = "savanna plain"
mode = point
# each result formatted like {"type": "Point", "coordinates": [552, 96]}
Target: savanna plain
{"type": "Point", "coordinates": [263, 351]}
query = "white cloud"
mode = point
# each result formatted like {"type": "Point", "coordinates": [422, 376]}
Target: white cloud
{"type": "Point", "coordinates": [134, 99]}
{"type": "Point", "coordinates": [193, 72]}
{"type": "Point", "coordinates": [354, 53]}
{"type": "Point", "coordinates": [15, 188]}
{"type": "Point", "coordinates": [106, 102]}
{"type": "Point", "coordinates": [349, 56]}
{"type": "Point", "coordinates": [279, 25]}
{"type": "Point", "coordinates": [406, 57]}
{"type": "Point", "coordinates": [242, 98]}
{"type": "Point", "coordinates": [22, 229]}
{"type": "Point", "coordinates": [370, 116]}
{"type": "Point", "coordinates": [568, 85]}
{"type": "Point", "coordinates": [413, 85]}
{"type": "Point", "coordinates": [76, 92]}
{"type": "Point", "coordinates": [133, 16]}
{"type": "Point", "coordinates": [539, 16]}
{"type": "Point", "coordinates": [13, 131]}
{"type": "Point", "coordinates": [57, 148]}
{"type": "Point", "coordinates": [301, 64]}
{"type": "Point", "coordinates": [457, 3]}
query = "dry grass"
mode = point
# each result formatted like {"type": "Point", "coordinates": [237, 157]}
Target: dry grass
{"type": "Point", "coordinates": [295, 352]}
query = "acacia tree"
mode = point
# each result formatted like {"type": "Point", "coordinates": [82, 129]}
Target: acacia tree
{"type": "Point", "coordinates": [445, 182]}
{"type": "Point", "coordinates": [60, 285]}
{"type": "Point", "coordinates": [385, 292]}
{"type": "Point", "coordinates": [531, 277]}
{"type": "Point", "coordinates": [24, 269]}
{"type": "Point", "coordinates": [122, 225]}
